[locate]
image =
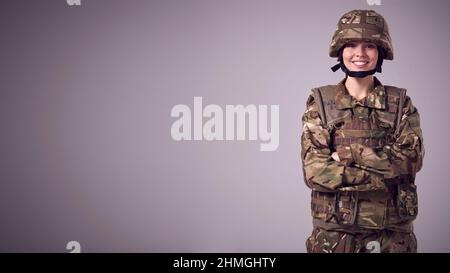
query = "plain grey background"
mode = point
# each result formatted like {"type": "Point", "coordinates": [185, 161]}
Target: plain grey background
{"type": "Point", "coordinates": [85, 99]}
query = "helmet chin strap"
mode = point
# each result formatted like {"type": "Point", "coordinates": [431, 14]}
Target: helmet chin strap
{"type": "Point", "coordinates": [358, 74]}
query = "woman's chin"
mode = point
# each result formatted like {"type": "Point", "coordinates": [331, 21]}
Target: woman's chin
{"type": "Point", "coordinates": [361, 68]}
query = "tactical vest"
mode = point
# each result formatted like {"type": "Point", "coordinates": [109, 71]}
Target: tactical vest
{"type": "Point", "coordinates": [394, 208]}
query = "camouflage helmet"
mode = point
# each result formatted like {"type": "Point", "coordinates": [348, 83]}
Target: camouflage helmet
{"type": "Point", "coordinates": [365, 25]}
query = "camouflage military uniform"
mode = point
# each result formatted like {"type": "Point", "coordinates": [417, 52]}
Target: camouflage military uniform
{"type": "Point", "coordinates": [370, 195]}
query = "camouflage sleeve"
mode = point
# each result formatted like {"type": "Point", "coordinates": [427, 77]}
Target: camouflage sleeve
{"type": "Point", "coordinates": [320, 171]}
{"type": "Point", "coordinates": [404, 156]}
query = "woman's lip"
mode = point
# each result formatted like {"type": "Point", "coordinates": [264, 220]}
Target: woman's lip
{"type": "Point", "coordinates": [360, 62]}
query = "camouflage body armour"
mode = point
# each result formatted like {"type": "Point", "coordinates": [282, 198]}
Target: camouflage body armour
{"type": "Point", "coordinates": [370, 195]}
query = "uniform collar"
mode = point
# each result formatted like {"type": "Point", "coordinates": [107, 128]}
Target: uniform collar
{"type": "Point", "coordinates": [375, 99]}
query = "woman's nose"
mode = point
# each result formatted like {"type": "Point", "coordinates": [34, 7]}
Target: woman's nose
{"type": "Point", "coordinates": [360, 50]}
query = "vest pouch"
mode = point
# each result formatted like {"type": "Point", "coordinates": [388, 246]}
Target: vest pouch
{"type": "Point", "coordinates": [322, 205]}
{"type": "Point", "coordinates": [347, 207]}
{"type": "Point", "coordinates": [335, 207]}
{"type": "Point", "coordinates": [407, 201]}
{"type": "Point", "coordinates": [372, 209]}
{"type": "Point", "coordinates": [371, 214]}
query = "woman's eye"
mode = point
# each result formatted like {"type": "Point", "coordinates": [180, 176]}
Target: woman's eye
{"type": "Point", "coordinates": [371, 46]}
{"type": "Point", "coordinates": [350, 45]}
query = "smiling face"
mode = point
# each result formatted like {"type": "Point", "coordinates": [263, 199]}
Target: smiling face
{"type": "Point", "coordinates": [360, 56]}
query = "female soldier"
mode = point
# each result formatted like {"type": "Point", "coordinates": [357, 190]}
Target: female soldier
{"type": "Point", "coordinates": [361, 148]}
